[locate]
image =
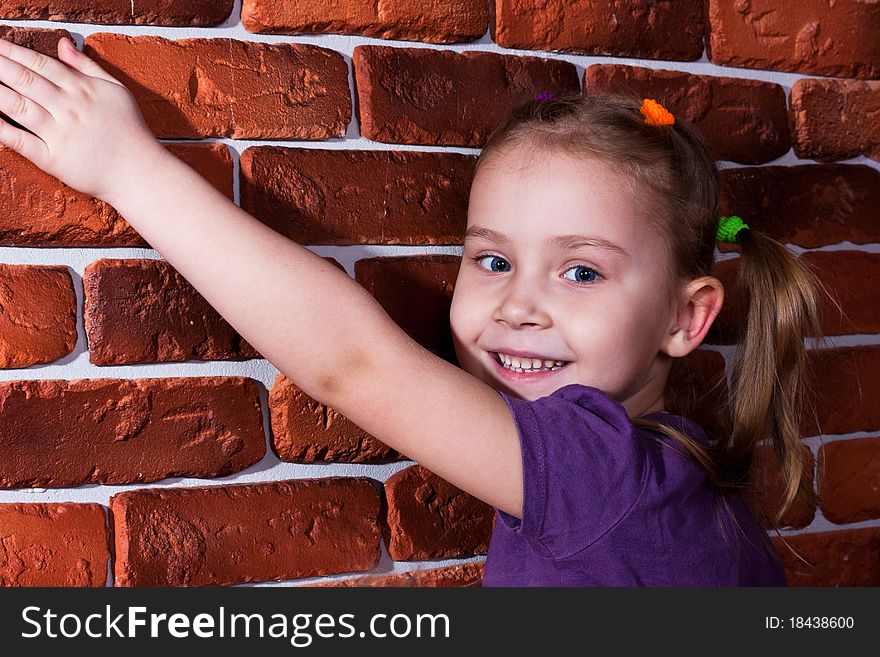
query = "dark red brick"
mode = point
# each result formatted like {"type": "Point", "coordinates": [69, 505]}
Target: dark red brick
{"type": "Point", "coordinates": [849, 479]}
{"type": "Point", "coordinates": [740, 120]}
{"type": "Point", "coordinates": [692, 383]}
{"type": "Point", "coordinates": [43, 40]}
{"type": "Point", "coordinates": [848, 390]}
{"type": "Point", "coordinates": [853, 281]}
{"type": "Point", "coordinates": [808, 36]}
{"type": "Point", "coordinates": [304, 430]}
{"type": "Point", "coordinates": [37, 314]}
{"type": "Point", "coordinates": [441, 97]}
{"type": "Point", "coordinates": [416, 292]}
{"type": "Point", "coordinates": [246, 533]}
{"type": "Point", "coordinates": [403, 20]}
{"type": "Point", "coordinates": [835, 119]}
{"type": "Point", "coordinates": [192, 13]}
{"type": "Point", "coordinates": [192, 88]}
{"type": "Point", "coordinates": [837, 558]}
{"type": "Point", "coordinates": [316, 196]}
{"type": "Point", "coordinates": [144, 311]}
{"type": "Point", "coordinates": [656, 30]}
{"type": "Point", "coordinates": [108, 431]}
{"type": "Point", "coordinates": [50, 544]}
{"type": "Point", "coordinates": [811, 205]}
{"type": "Point", "coordinates": [39, 210]}
{"type": "Point", "coordinates": [429, 518]}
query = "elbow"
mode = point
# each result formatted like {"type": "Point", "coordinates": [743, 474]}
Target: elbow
{"type": "Point", "coordinates": [330, 386]}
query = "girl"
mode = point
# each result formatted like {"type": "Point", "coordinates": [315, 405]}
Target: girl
{"type": "Point", "coordinates": [586, 274]}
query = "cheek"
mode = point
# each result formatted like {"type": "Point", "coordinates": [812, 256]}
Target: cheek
{"type": "Point", "coordinates": [465, 307]}
{"type": "Point", "coordinates": [609, 324]}
{"type": "Point", "coordinates": [460, 317]}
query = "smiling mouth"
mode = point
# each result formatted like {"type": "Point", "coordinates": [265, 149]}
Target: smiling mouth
{"type": "Point", "coordinates": [526, 365]}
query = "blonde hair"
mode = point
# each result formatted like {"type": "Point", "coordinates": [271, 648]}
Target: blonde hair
{"type": "Point", "coordinates": [672, 169]}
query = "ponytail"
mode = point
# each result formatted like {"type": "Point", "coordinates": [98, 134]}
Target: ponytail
{"type": "Point", "coordinates": [770, 386]}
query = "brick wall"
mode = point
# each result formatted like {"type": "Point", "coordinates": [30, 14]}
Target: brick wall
{"type": "Point", "coordinates": [144, 442]}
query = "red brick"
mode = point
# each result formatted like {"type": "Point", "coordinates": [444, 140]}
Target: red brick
{"type": "Point", "coordinates": [810, 36]}
{"type": "Point", "coordinates": [316, 196]}
{"type": "Point", "coordinates": [740, 120]}
{"type": "Point", "coordinates": [53, 545]}
{"type": "Point", "coordinates": [211, 160]}
{"type": "Point", "coordinates": [416, 292]}
{"type": "Point", "coordinates": [37, 314]}
{"type": "Point", "coordinates": [194, 13]}
{"type": "Point", "coordinates": [246, 533]}
{"type": "Point", "coordinates": [835, 119]}
{"type": "Point", "coordinates": [768, 492]}
{"type": "Point", "coordinates": [461, 575]}
{"type": "Point", "coordinates": [304, 430]}
{"type": "Point", "coordinates": [811, 205]}
{"type": "Point", "coordinates": [848, 390]}
{"type": "Point", "coordinates": [429, 518]}
{"type": "Point", "coordinates": [39, 210]}
{"type": "Point", "coordinates": [441, 97]}
{"type": "Point", "coordinates": [144, 311]}
{"type": "Point", "coordinates": [192, 88]}
{"type": "Point", "coordinates": [853, 280]}
{"type": "Point", "coordinates": [668, 30]}
{"type": "Point", "coordinates": [403, 20]}
{"type": "Point", "coordinates": [837, 558]}
{"type": "Point", "coordinates": [66, 433]}
{"type": "Point", "coordinates": [849, 480]}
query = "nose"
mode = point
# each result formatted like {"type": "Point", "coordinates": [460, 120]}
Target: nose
{"type": "Point", "coordinates": [523, 306]}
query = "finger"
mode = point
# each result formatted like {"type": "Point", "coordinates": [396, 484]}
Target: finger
{"type": "Point", "coordinates": [29, 83]}
{"type": "Point", "coordinates": [47, 67]}
{"type": "Point", "coordinates": [23, 143]}
{"type": "Point", "coordinates": [23, 110]}
{"type": "Point", "coordinates": [68, 53]}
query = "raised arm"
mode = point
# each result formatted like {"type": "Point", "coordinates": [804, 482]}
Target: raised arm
{"type": "Point", "coordinates": [309, 319]}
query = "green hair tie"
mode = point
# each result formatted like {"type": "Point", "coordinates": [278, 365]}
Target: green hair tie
{"type": "Point", "coordinates": [728, 227]}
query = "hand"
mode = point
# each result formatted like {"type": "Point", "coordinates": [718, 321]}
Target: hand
{"type": "Point", "coordinates": [88, 130]}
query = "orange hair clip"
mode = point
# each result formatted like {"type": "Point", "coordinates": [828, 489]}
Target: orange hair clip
{"type": "Point", "coordinates": [655, 113]}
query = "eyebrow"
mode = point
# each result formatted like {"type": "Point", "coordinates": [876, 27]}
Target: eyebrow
{"type": "Point", "coordinates": [567, 242]}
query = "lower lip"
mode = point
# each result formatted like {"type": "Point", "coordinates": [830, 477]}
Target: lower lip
{"type": "Point", "coordinates": [527, 377]}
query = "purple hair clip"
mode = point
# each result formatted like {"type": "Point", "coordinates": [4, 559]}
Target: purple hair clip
{"type": "Point", "coordinates": [544, 95]}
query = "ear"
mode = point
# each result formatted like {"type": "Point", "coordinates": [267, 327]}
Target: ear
{"type": "Point", "coordinates": [701, 303]}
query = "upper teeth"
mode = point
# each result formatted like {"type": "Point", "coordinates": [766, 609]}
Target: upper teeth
{"type": "Point", "coordinates": [515, 362]}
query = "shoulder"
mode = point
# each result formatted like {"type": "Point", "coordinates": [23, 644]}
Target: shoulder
{"type": "Point", "coordinates": [572, 404]}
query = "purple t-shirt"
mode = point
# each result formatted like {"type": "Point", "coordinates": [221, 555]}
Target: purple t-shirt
{"type": "Point", "coordinates": [605, 504]}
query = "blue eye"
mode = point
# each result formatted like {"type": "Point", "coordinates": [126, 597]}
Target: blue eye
{"type": "Point", "coordinates": [498, 260]}
{"type": "Point", "coordinates": [583, 272]}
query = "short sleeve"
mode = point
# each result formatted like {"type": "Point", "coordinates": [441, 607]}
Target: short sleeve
{"type": "Point", "coordinates": [584, 467]}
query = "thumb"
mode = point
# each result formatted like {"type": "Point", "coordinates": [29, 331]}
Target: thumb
{"type": "Point", "coordinates": [68, 53]}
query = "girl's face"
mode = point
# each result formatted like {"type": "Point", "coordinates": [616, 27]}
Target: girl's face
{"type": "Point", "coordinates": [529, 286]}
